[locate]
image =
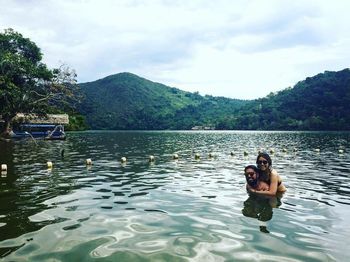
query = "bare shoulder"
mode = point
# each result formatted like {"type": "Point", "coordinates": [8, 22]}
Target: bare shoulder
{"type": "Point", "coordinates": [274, 172]}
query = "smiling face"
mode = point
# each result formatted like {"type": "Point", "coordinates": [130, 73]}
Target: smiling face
{"type": "Point", "coordinates": [263, 164]}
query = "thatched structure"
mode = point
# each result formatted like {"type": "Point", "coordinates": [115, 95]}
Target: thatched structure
{"type": "Point", "coordinates": [57, 119]}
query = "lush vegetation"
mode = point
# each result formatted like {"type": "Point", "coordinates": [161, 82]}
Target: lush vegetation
{"type": "Point", "coordinates": [317, 103]}
{"type": "Point", "coordinates": [126, 101]}
{"type": "Point", "coordinates": [27, 85]}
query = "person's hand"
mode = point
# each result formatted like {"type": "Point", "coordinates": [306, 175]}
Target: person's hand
{"type": "Point", "coordinates": [250, 189]}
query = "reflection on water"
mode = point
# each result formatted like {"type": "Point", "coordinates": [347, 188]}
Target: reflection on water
{"type": "Point", "coordinates": [174, 210]}
{"type": "Point", "coordinates": [260, 208]}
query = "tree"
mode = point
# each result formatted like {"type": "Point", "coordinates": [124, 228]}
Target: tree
{"type": "Point", "coordinates": [26, 84]}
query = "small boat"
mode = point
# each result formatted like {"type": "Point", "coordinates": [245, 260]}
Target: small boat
{"type": "Point", "coordinates": [40, 131]}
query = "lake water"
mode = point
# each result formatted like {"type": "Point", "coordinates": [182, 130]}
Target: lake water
{"type": "Point", "coordinates": [174, 210]}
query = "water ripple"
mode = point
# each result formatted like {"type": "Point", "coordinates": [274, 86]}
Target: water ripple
{"type": "Point", "coordinates": [179, 210]}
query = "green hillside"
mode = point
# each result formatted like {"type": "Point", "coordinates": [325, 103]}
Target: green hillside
{"type": "Point", "coordinates": [126, 101]}
{"type": "Point", "coordinates": [321, 102]}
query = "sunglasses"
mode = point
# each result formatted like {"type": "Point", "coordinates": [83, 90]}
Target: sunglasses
{"type": "Point", "coordinates": [260, 162]}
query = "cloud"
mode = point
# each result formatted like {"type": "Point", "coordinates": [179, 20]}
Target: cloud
{"type": "Point", "coordinates": [239, 49]}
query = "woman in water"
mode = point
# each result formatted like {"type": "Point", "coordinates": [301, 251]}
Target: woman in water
{"type": "Point", "coordinates": [268, 175]}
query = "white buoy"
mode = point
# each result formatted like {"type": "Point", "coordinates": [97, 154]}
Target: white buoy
{"type": "Point", "coordinates": [317, 150]}
{"type": "Point", "coordinates": [284, 150]}
{"type": "Point", "coordinates": [49, 164]}
{"type": "Point", "coordinates": [151, 159]}
{"type": "Point", "coordinates": [197, 156]}
{"type": "Point", "coordinates": [341, 151]}
{"type": "Point", "coordinates": [175, 156]}
{"type": "Point", "coordinates": [123, 159]}
{"type": "Point", "coordinates": [3, 167]}
{"type": "Point", "coordinates": [88, 162]}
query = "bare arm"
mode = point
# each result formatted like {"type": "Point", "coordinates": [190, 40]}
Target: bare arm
{"type": "Point", "coordinates": [273, 186]}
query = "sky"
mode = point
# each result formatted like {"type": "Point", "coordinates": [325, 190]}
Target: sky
{"type": "Point", "coordinates": [241, 49]}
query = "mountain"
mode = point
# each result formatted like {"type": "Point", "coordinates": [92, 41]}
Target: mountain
{"type": "Point", "coordinates": [321, 102]}
{"type": "Point", "coordinates": [126, 101]}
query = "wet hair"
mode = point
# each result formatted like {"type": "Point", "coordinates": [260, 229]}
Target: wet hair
{"type": "Point", "coordinates": [256, 170]}
{"type": "Point", "coordinates": [266, 156]}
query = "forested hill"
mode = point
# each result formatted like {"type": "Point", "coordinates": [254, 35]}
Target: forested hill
{"type": "Point", "coordinates": [321, 102]}
{"type": "Point", "coordinates": [126, 101]}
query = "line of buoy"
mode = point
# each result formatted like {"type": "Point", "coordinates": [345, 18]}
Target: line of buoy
{"type": "Point", "coordinates": [175, 156]}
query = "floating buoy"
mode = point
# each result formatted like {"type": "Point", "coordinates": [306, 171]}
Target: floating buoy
{"type": "Point", "coordinates": [295, 149]}
{"type": "Point", "coordinates": [197, 156]}
{"type": "Point", "coordinates": [3, 167]}
{"type": "Point", "coordinates": [245, 153]}
{"type": "Point", "coordinates": [232, 154]}
{"type": "Point", "coordinates": [175, 156]}
{"type": "Point", "coordinates": [317, 150]}
{"type": "Point", "coordinates": [123, 159]}
{"type": "Point", "coordinates": [272, 151]}
{"type": "Point", "coordinates": [210, 155]}
{"type": "Point", "coordinates": [49, 164]}
{"type": "Point", "coordinates": [88, 162]}
{"type": "Point", "coordinates": [284, 150]}
{"type": "Point", "coordinates": [151, 159]}
{"type": "Point", "coordinates": [341, 151]}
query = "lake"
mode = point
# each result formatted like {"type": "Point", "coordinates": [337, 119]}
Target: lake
{"type": "Point", "coordinates": [183, 209]}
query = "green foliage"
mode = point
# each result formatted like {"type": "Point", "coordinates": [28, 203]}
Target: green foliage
{"type": "Point", "coordinates": [76, 123]}
{"type": "Point", "coordinates": [26, 84]}
{"type": "Point", "coordinates": [22, 75]}
{"type": "Point", "coordinates": [317, 103]}
{"type": "Point", "coordinates": [126, 101]}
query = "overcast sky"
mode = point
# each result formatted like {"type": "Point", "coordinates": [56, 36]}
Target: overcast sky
{"type": "Point", "coordinates": [236, 48]}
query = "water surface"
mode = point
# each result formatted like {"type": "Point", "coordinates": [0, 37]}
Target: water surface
{"type": "Point", "coordinates": [174, 210]}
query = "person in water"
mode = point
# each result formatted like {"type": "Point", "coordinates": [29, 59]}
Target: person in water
{"type": "Point", "coordinates": [268, 175]}
{"type": "Point", "coordinates": [251, 173]}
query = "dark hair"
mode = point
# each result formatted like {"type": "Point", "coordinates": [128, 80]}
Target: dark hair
{"type": "Point", "coordinates": [256, 170]}
{"type": "Point", "coordinates": [266, 156]}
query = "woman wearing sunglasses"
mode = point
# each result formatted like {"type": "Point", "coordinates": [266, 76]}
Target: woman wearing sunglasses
{"type": "Point", "coordinates": [268, 175]}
